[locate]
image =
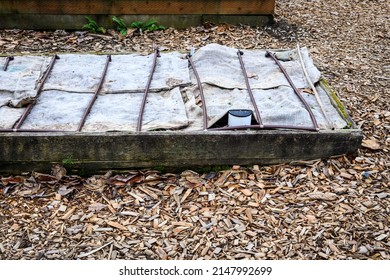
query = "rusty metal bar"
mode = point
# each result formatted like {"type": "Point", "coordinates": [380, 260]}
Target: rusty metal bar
{"type": "Point", "coordinates": [39, 89]}
{"type": "Point", "coordinates": [95, 96]}
{"type": "Point", "coordinates": [248, 86]}
{"type": "Point", "coordinates": [141, 112]}
{"type": "Point", "coordinates": [201, 93]}
{"type": "Point", "coordinates": [7, 60]}
{"type": "Point", "coordinates": [256, 127]}
{"type": "Point", "coordinates": [312, 117]}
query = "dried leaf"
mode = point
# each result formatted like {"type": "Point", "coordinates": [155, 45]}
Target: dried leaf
{"type": "Point", "coordinates": [128, 180]}
{"type": "Point", "coordinates": [45, 177]}
{"type": "Point", "coordinates": [58, 171]}
{"type": "Point", "coordinates": [12, 180]}
{"type": "Point", "coordinates": [63, 190]}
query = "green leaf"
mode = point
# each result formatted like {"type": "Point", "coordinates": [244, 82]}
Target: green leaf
{"type": "Point", "coordinates": [119, 21]}
{"type": "Point", "coordinates": [93, 26]}
{"type": "Point", "coordinates": [149, 23]}
{"type": "Point", "coordinates": [122, 27]}
{"type": "Point", "coordinates": [137, 24]}
{"type": "Point", "coordinates": [102, 29]}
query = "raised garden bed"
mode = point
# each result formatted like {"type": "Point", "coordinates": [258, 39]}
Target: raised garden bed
{"type": "Point", "coordinates": [41, 125]}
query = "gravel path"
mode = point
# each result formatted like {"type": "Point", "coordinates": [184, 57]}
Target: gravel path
{"type": "Point", "coordinates": [335, 208]}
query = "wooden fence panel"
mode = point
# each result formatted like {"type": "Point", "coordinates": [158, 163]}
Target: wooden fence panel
{"type": "Point", "coordinates": [131, 7]}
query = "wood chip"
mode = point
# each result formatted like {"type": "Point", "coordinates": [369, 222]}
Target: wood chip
{"type": "Point", "coordinates": [116, 225]}
{"type": "Point", "coordinates": [186, 194]}
{"type": "Point", "coordinates": [323, 196]}
{"type": "Point", "coordinates": [346, 175]}
{"type": "Point", "coordinates": [137, 197]}
{"type": "Point", "coordinates": [248, 213]}
{"type": "Point", "coordinates": [246, 192]}
{"type": "Point", "coordinates": [381, 237]}
{"type": "Point", "coordinates": [69, 213]}
{"type": "Point", "coordinates": [371, 144]}
{"type": "Point", "coordinates": [178, 230]}
{"type": "Point", "coordinates": [93, 251]}
{"type": "Point", "coordinates": [184, 224]}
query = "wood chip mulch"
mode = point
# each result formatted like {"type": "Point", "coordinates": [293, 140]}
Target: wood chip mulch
{"type": "Point", "coordinates": [335, 208]}
{"type": "Point", "coordinates": [306, 210]}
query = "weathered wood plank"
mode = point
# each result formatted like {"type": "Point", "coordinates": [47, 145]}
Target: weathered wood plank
{"type": "Point", "coordinates": [129, 7]}
{"type": "Point", "coordinates": [172, 149]}
{"type": "Point", "coordinates": [75, 22]}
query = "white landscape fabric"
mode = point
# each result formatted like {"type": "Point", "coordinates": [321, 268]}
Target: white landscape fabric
{"type": "Point", "coordinates": [129, 73]}
{"type": "Point", "coordinates": [219, 65]}
{"type": "Point", "coordinates": [173, 102]}
{"type": "Point", "coordinates": [20, 80]}
{"type": "Point", "coordinates": [225, 88]}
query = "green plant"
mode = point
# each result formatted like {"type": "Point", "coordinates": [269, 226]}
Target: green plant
{"type": "Point", "coordinates": [68, 162]}
{"type": "Point", "coordinates": [150, 25]}
{"type": "Point", "coordinates": [122, 27]}
{"type": "Point", "coordinates": [92, 26]}
{"type": "Point", "coordinates": [160, 168]}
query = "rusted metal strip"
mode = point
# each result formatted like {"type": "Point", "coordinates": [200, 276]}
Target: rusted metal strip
{"type": "Point", "coordinates": [312, 117]}
{"type": "Point", "coordinates": [7, 60]}
{"type": "Point", "coordinates": [95, 96]}
{"type": "Point", "coordinates": [201, 93]}
{"type": "Point", "coordinates": [248, 87]}
{"type": "Point", "coordinates": [39, 89]}
{"type": "Point", "coordinates": [141, 111]}
{"type": "Point", "coordinates": [257, 127]}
